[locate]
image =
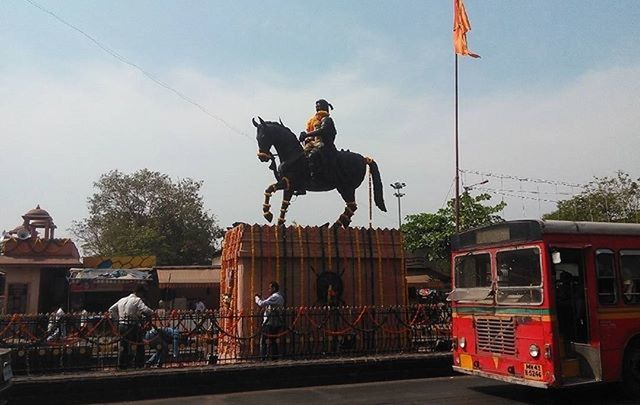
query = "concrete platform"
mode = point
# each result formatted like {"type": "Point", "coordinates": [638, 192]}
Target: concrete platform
{"type": "Point", "coordinates": [171, 382]}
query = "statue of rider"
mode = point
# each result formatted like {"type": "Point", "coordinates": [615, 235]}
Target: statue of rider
{"type": "Point", "coordinates": [318, 141]}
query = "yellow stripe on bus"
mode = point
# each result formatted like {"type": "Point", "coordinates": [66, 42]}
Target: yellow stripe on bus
{"type": "Point", "coordinates": [544, 318]}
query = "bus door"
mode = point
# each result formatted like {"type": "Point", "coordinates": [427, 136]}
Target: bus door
{"type": "Point", "coordinates": [580, 361]}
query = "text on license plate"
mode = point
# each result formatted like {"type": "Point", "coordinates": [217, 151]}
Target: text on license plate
{"type": "Point", "coordinates": [533, 371]}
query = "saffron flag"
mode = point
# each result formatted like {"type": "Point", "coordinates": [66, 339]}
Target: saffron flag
{"type": "Point", "coordinates": [461, 26]}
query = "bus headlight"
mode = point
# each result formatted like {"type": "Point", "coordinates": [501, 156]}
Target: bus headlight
{"type": "Point", "coordinates": [534, 351]}
{"type": "Point", "coordinates": [462, 342]}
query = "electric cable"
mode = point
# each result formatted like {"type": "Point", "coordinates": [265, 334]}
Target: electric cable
{"type": "Point", "coordinates": [141, 70]}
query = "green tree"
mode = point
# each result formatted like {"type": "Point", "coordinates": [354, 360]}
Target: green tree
{"type": "Point", "coordinates": [431, 231]}
{"type": "Point", "coordinates": [146, 213]}
{"type": "Point", "coordinates": [604, 199]}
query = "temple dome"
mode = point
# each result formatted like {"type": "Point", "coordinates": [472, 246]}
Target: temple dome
{"type": "Point", "coordinates": [37, 213]}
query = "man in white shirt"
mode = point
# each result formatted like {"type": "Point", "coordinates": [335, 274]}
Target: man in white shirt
{"type": "Point", "coordinates": [130, 311]}
{"type": "Point", "coordinates": [56, 328]}
{"type": "Point", "coordinates": [272, 321]}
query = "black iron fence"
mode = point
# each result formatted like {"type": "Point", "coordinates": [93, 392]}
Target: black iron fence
{"type": "Point", "coordinates": [52, 343]}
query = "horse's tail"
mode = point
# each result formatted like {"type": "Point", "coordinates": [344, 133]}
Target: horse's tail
{"type": "Point", "coordinates": [378, 196]}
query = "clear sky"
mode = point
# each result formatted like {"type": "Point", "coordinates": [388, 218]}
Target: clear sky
{"type": "Point", "coordinates": [555, 96]}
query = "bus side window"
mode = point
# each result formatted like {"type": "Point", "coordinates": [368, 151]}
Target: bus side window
{"type": "Point", "coordinates": [630, 271]}
{"type": "Point", "coordinates": [606, 277]}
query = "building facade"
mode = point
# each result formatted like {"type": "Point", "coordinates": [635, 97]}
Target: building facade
{"type": "Point", "coordinates": [36, 265]}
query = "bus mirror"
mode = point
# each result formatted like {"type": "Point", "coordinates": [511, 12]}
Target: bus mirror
{"type": "Point", "coordinates": [555, 257]}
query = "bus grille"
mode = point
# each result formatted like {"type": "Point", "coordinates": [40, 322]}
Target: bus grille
{"type": "Point", "coordinates": [496, 335]}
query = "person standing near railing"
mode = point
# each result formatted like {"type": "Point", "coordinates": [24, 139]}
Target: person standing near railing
{"type": "Point", "coordinates": [130, 311]}
{"type": "Point", "coordinates": [272, 321]}
{"type": "Point", "coordinates": [56, 328]}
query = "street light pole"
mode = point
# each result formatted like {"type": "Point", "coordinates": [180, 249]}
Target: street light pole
{"type": "Point", "coordinates": [398, 186]}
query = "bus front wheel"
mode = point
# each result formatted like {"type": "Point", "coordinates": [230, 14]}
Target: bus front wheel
{"type": "Point", "coordinates": [631, 370]}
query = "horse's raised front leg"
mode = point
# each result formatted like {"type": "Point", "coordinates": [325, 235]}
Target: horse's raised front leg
{"type": "Point", "coordinates": [266, 207]}
{"type": "Point", "coordinates": [286, 200]}
{"type": "Point", "coordinates": [282, 184]}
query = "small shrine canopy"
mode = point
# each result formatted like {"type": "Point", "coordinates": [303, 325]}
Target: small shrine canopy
{"type": "Point", "coordinates": [34, 219]}
{"type": "Point", "coordinates": [188, 276]}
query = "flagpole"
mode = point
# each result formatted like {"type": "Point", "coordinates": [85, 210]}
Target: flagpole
{"type": "Point", "coordinates": [457, 205]}
{"type": "Point", "coordinates": [461, 26]}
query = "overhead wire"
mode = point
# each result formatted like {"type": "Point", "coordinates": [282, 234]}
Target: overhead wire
{"type": "Point", "coordinates": [534, 192]}
{"type": "Point", "coordinates": [523, 193]}
{"type": "Point", "coordinates": [140, 69]}
{"type": "Point", "coordinates": [523, 197]}
{"type": "Point", "coordinates": [567, 199]}
{"type": "Point", "coordinates": [517, 178]}
{"type": "Point", "coordinates": [446, 198]}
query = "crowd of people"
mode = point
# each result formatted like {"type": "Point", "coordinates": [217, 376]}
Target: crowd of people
{"type": "Point", "coordinates": [132, 318]}
{"type": "Point", "coordinates": [132, 315]}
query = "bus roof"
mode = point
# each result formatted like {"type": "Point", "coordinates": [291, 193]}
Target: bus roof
{"type": "Point", "coordinates": [533, 229]}
{"type": "Point", "coordinates": [592, 228]}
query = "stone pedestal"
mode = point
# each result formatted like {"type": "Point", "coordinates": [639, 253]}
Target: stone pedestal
{"type": "Point", "coordinates": [315, 266]}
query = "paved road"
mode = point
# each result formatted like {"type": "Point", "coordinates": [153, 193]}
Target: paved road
{"type": "Point", "coordinates": [445, 390]}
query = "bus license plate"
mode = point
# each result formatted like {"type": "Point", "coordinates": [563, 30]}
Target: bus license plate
{"type": "Point", "coordinates": [466, 361]}
{"type": "Point", "coordinates": [533, 371]}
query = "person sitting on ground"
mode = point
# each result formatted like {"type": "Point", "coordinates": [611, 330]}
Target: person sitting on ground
{"type": "Point", "coordinates": [159, 339]}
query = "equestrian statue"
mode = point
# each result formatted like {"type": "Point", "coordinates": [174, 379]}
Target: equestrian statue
{"type": "Point", "coordinates": [312, 163]}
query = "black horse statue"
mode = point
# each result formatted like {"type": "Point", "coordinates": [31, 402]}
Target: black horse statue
{"type": "Point", "coordinates": [294, 177]}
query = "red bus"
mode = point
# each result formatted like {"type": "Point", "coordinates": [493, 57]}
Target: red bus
{"type": "Point", "coordinates": [548, 303]}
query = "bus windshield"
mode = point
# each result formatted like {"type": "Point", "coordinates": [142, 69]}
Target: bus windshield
{"type": "Point", "coordinates": [519, 276]}
{"type": "Point", "coordinates": [472, 278]}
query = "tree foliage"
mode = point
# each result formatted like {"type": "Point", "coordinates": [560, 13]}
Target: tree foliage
{"type": "Point", "coordinates": [146, 213]}
{"type": "Point", "coordinates": [431, 231]}
{"type": "Point", "coordinates": [604, 199]}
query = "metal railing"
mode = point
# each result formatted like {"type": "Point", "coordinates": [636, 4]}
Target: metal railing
{"type": "Point", "coordinates": [45, 344]}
